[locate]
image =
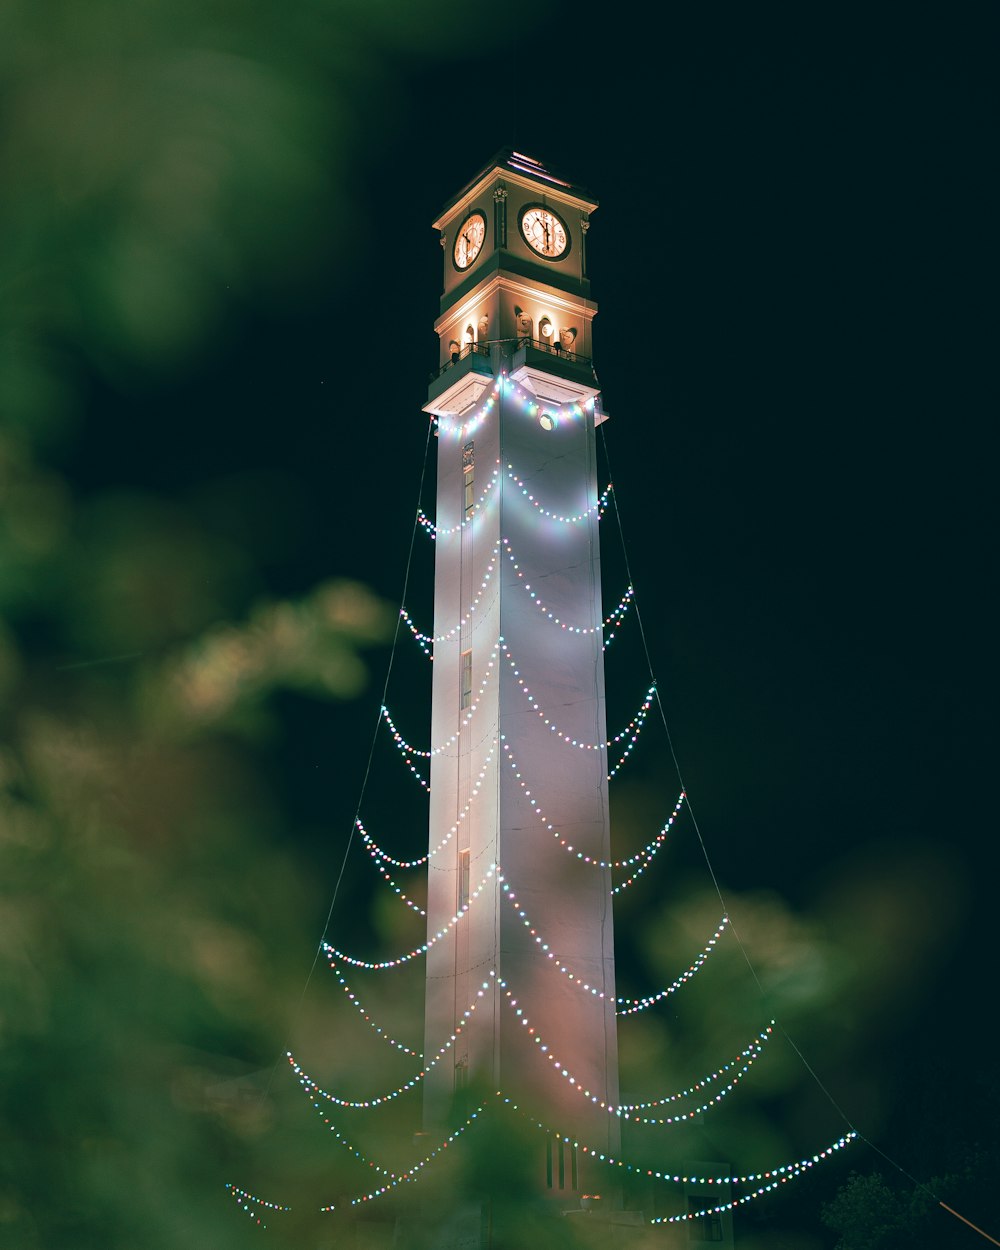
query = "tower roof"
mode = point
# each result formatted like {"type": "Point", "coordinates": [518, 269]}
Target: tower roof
{"type": "Point", "coordinates": [520, 168]}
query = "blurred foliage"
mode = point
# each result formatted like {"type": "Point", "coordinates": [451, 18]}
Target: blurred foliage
{"type": "Point", "coordinates": [162, 161]}
{"type": "Point", "coordinates": [869, 1213]}
{"type": "Point", "coordinates": [167, 169]}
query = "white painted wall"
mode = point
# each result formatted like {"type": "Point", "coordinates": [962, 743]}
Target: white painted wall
{"type": "Point", "coordinates": [568, 902]}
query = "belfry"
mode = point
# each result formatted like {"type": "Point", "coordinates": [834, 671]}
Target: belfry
{"type": "Point", "coordinates": [519, 821]}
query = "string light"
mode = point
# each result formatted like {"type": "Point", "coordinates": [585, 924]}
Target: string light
{"type": "Point", "coordinates": [613, 618]}
{"type": "Point", "coordinates": [421, 779]}
{"type": "Point", "coordinates": [426, 642]}
{"type": "Point", "coordinates": [376, 860]}
{"type": "Point", "coordinates": [376, 851]}
{"type": "Point", "coordinates": [407, 748]}
{"type": "Point", "coordinates": [473, 423]}
{"type": "Point", "coordinates": [555, 414]}
{"type": "Point", "coordinates": [630, 733]}
{"type": "Point", "coordinates": [349, 1146]}
{"type": "Point", "coordinates": [333, 953]}
{"type": "Point", "coordinates": [629, 1006]}
{"type": "Point", "coordinates": [620, 1111]}
{"type": "Point", "coordinates": [751, 1177]}
{"type": "Point", "coordinates": [249, 1202]}
{"type": "Point", "coordinates": [543, 946]}
{"type": "Point", "coordinates": [754, 1047]}
{"type": "Point", "coordinates": [775, 1175]}
{"type": "Point", "coordinates": [416, 1054]}
{"type": "Point", "coordinates": [774, 1178]}
{"type": "Point", "coordinates": [411, 1173]}
{"type": "Point", "coordinates": [311, 1087]}
{"type": "Point", "coordinates": [751, 1054]}
{"type": "Point", "coordinates": [436, 531]}
{"type": "Point", "coordinates": [645, 855]}
{"type": "Point", "coordinates": [633, 728]}
{"type": "Point", "coordinates": [765, 1181]}
{"type": "Point", "coordinates": [648, 852]}
{"type": "Point", "coordinates": [599, 507]}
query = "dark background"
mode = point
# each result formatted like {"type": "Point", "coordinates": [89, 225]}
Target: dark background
{"type": "Point", "coordinates": [791, 259]}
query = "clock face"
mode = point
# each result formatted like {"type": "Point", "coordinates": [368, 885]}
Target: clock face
{"type": "Point", "coordinates": [544, 232]}
{"type": "Point", "coordinates": [469, 240]}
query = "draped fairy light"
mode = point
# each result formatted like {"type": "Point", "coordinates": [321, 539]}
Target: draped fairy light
{"type": "Point", "coordinates": [407, 760]}
{"type": "Point", "coordinates": [630, 734]}
{"type": "Point", "coordinates": [436, 531]}
{"type": "Point", "coordinates": [599, 506]}
{"type": "Point", "coordinates": [635, 1005]}
{"type": "Point", "coordinates": [377, 861]}
{"type": "Point", "coordinates": [613, 618]}
{"type": "Point", "coordinates": [359, 1007]}
{"type": "Point", "coordinates": [543, 946]}
{"type": "Point", "coordinates": [611, 1108]}
{"type": "Point", "coordinates": [312, 1088]}
{"type": "Point", "coordinates": [411, 1173]}
{"type": "Point", "coordinates": [557, 963]}
{"type": "Point", "coordinates": [378, 853]}
{"type": "Point", "coordinates": [754, 1047]}
{"type": "Point", "coordinates": [503, 384]}
{"type": "Point", "coordinates": [773, 1176]}
{"type": "Point", "coordinates": [351, 1104]}
{"type": "Point", "coordinates": [465, 429]}
{"type": "Point", "coordinates": [643, 857]}
{"type": "Point", "coordinates": [648, 853]}
{"type": "Point", "coordinates": [752, 1053]}
{"type": "Point", "coordinates": [765, 1181]}
{"type": "Point", "coordinates": [350, 1147]}
{"type": "Point", "coordinates": [250, 1202]}
{"type": "Point", "coordinates": [407, 748]}
{"type": "Point", "coordinates": [555, 412]}
{"type": "Point", "coordinates": [426, 642]}
{"type": "Point", "coordinates": [332, 952]}
{"type": "Point", "coordinates": [630, 1006]}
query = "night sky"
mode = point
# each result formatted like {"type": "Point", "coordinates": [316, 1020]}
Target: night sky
{"type": "Point", "coordinates": [789, 261]}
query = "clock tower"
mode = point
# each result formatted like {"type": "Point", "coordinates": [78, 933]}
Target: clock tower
{"type": "Point", "coordinates": [520, 966]}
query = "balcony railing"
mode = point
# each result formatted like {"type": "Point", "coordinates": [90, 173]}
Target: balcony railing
{"type": "Point", "coordinates": [483, 349]}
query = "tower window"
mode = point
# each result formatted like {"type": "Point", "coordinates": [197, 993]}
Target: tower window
{"type": "Point", "coordinates": [465, 681]}
{"type": "Point", "coordinates": [468, 478]}
{"type": "Point", "coordinates": [561, 1167]}
{"type": "Point", "coordinates": [464, 865]}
